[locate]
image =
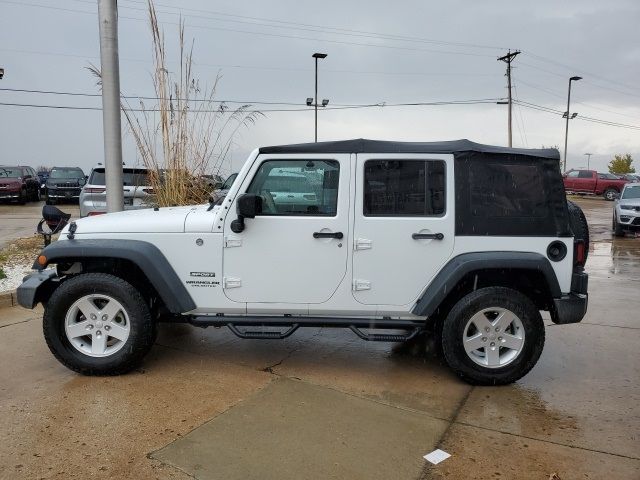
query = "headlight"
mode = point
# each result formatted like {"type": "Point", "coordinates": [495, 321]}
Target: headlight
{"type": "Point", "coordinates": [626, 207]}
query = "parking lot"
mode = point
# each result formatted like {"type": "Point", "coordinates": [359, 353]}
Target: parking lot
{"type": "Point", "coordinates": [325, 404]}
{"type": "Point", "coordinates": [19, 221]}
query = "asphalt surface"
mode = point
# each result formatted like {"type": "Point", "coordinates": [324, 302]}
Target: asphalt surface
{"type": "Point", "coordinates": [20, 221]}
{"type": "Point", "coordinates": [324, 404]}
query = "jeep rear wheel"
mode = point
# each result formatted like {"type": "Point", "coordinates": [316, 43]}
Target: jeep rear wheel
{"type": "Point", "coordinates": [98, 324]}
{"type": "Point", "coordinates": [493, 336]}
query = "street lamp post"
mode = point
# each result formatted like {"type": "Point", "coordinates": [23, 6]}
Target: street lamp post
{"type": "Point", "coordinates": [588, 160]}
{"type": "Point", "coordinates": [315, 100]}
{"type": "Point", "coordinates": [566, 131]}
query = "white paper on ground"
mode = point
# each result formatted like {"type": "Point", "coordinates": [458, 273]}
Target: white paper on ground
{"type": "Point", "coordinates": [436, 456]}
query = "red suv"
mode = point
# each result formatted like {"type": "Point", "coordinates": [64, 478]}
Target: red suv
{"type": "Point", "coordinates": [19, 183]}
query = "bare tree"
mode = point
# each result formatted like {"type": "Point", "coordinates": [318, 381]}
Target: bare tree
{"type": "Point", "coordinates": [185, 133]}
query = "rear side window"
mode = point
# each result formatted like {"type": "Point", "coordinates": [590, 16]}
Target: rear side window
{"type": "Point", "coordinates": [404, 188]}
{"type": "Point", "coordinates": [297, 187]}
{"type": "Point", "coordinates": [585, 174]}
{"type": "Point", "coordinates": [507, 190]}
{"type": "Point", "coordinates": [130, 177]}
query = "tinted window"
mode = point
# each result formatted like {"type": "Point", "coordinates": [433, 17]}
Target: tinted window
{"type": "Point", "coordinates": [297, 187]}
{"type": "Point", "coordinates": [573, 174]}
{"type": "Point", "coordinates": [585, 174]}
{"type": "Point", "coordinates": [229, 182]}
{"type": "Point", "coordinates": [404, 187]}
{"type": "Point", "coordinates": [631, 192]}
{"type": "Point", "coordinates": [130, 177]}
{"type": "Point", "coordinates": [66, 173]}
{"type": "Point", "coordinates": [504, 190]}
{"type": "Point", "coordinates": [10, 172]}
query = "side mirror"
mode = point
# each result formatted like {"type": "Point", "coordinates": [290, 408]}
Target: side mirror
{"type": "Point", "coordinates": [82, 181]}
{"type": "Point", "coordinates": [247, 206]}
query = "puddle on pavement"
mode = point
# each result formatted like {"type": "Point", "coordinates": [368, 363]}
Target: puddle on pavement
{"type": "Point", "coordinates": [619, 257]}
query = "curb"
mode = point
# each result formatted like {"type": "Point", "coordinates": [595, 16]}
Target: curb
{"type": "Point", "coordinates": [8, 299]}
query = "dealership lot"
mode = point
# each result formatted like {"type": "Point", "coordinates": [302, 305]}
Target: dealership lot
{"type": "Point", "coordinates": [324, 404]}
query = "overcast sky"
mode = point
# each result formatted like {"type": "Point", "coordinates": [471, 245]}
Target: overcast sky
{"type": "Point", "coordinates": [263, 50]}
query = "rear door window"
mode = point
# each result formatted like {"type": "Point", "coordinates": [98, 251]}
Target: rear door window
{"type": "Point", "coordinates": [404, 188]}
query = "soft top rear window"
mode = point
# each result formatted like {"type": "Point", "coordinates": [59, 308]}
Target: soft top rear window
{"type": "Point", "coordinates": [131, 177]}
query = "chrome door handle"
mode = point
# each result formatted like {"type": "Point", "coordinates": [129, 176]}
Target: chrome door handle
{"type": "Point", "coordinates": [337, 235]}
{"type": "Point", "coordinates": [427, 236]}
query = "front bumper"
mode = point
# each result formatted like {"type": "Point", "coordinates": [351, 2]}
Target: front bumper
{"type": "Point", "coordinates": [63, 194]}
{"type": "Point", "coordinates": [9, 194]}
{"type": "Point", "coordinates": [572, 308]}
{"type": "Point", "coordinates": [34, 286]}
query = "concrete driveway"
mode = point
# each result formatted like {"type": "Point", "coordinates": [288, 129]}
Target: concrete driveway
{"type": "Point", "coordinates": [324, 404]}
{"type": "Point", "coordinates": [19, 221]}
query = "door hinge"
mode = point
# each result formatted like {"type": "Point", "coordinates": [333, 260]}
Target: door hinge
{"type": "Point", "coordinates": [361, 285]}
{"type": "Point", "coordinates": [362, 244]}
{"type": "Point", "coordinates": [232, 242]}
{"type": "Point", "coordinates": [230, 282]}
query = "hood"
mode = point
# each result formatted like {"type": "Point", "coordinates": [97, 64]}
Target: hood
{"type": "Point", "coordinates": [148, 220]}
{"type": "Point", "coordinates": [634, 202]}
{"type": "Point", "coordinates": [10, 181]}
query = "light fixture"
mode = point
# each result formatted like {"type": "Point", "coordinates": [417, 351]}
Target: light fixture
{"type": "Point", "coordinates": [309, 101]}
{"type": "Point", "coordinates": [325, 102]}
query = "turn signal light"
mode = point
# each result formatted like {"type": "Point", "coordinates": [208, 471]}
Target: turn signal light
{"type": "Point", "coordinates": [92, 214]}
{"type": "Point", "coordinates": [42, 260]}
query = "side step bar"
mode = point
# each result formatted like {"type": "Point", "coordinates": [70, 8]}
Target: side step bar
{"type": "Point", "coordinates": [412, 327]}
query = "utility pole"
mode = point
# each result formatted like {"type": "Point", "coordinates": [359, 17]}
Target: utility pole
{"type": "Point", "coordinates": [508, 58]}
{"type": "Point", "coordinates": [588, 160]}
{"type": "Point", "coordinates": [111, 124]}
{"type": "Point", "coordinates": [566, 131]}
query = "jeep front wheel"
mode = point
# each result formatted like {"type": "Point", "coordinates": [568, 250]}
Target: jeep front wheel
{"type": "Point", "coordinates": [493, 336]}
{"type": "Point", "coordinates": [98, 324]}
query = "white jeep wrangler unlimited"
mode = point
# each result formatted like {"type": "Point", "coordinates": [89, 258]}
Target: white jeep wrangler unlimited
{"type": "Point", "coordinates": [468, 241]}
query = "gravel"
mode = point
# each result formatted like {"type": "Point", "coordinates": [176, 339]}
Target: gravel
{"type": "Point", "coordinates": [15, 273]}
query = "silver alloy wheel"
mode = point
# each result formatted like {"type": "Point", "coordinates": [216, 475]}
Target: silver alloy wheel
{"type": "Point", "coordinates": [493, 337]}
{"type": "Point", "coordinates": [97, 325]}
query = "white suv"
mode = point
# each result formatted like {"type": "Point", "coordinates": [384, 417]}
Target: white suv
{"type": "Point", "coordinates": [468, 241]}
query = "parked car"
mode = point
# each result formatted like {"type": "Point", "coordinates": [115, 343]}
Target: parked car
{"type": "Point", "coordinates": [590, 182]}
{"type": "Point", "coordinates": [626, 212]}
{"type": "Point", "coordinates": [454, 237]}
{"type": "Point", "coordinates": [630, 177]}
{"type": "Point", "coordinates": [137, 191]}
{"type": "Point", "coordinates": [19, 183]}
{"type": "Point", "coordinates": [64, 184]}
{"type": "Point", "coordinates": [43, 175]}
{"type": "Point", "coordinates": [212, 181]}
{"type": "Point", "coordinates": [219, 194]}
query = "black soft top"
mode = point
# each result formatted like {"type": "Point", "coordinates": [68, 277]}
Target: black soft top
{"type": "Point", "coordinates": [362, 145]}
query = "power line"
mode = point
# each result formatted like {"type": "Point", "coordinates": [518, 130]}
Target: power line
{"type": "Point", "coordinates": [579, 117]}
{"type": "Point", "coordinates": [222, 110]}
{"type": "Point", "coordinates": [267, 34]}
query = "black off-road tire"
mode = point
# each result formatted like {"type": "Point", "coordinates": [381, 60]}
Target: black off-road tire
{"type": "Point", "coordinates": [142, 327]}
{"type": "Point", "coordinates": [618, 231]}
{"type": "Point", "coordinates": [579, 225]}
{"type": "Point", "coordinates": [22, 197]}
{"type": "Point", "coordinates": [456, 321]}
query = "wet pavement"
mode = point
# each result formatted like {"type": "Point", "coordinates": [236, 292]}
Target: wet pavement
{"type": "Point", "coordinates": [325, 404]}
{"type": "Point", "coordinates": [20, 221]}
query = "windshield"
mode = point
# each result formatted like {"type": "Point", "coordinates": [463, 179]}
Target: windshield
{"type": "Point", "coordinates": [8, 172]}
{"type": "Point", "coordinates": [66, 173]}
{"type": "Point", "coordinates": [229, 181]}
{"type": "Point", "coordinates": [631, 192]}
{"type": "Point", "coordinates": [131, 177]}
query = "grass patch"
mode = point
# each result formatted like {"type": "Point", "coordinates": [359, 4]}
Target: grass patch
{"type": "Point", "coordinates": [23, 250]}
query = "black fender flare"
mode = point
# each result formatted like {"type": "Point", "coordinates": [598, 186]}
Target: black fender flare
{"type": "Point", "coordinates": [449, 276]}
{"type": "Point", "coordinates": [145, 255]}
